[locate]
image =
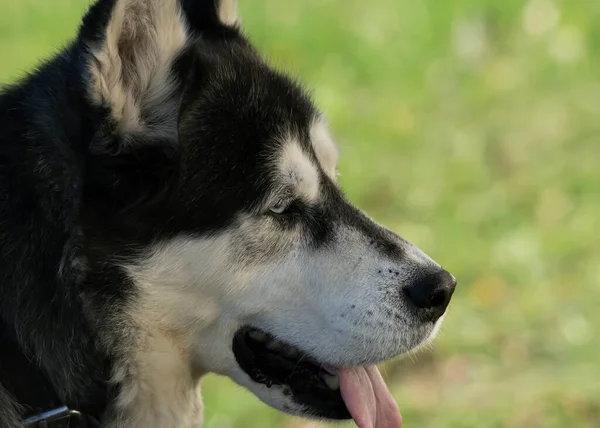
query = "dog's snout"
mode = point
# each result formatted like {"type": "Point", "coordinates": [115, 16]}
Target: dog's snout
{"type": "Point", "coordinates": [431, 293]}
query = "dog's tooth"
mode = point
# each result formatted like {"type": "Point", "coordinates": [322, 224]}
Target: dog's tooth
{"type": "Point", "coordinates": [333, 382]}
{"type": "Point", "coordinates": [274, 345]}
{"type": "Point", "coordinates": [258, 336]}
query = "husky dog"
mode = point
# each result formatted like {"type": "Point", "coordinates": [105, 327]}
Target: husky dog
{"type": "Point", "coordinates": [169, 208]}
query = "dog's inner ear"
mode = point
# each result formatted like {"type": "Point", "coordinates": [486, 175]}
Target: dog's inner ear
{"type": "Point", "coordinates": [130, 68]}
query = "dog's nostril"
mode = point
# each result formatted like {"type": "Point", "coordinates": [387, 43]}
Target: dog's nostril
{"type": "Point", "coordinates": [432, 293]}
{"type": "Point", "coordinates": [439, 298]}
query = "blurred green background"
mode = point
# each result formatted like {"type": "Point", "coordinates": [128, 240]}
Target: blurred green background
{"type": "Point", "coordinates": [472, 128]}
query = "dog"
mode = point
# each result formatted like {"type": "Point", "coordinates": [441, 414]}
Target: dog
{"type": "Point", "coordinates": [169, 207]}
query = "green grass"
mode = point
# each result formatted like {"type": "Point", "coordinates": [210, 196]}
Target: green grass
{"type": "Point", "coordinates": [471, 128]}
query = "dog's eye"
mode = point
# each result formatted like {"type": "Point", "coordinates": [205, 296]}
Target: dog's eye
{"type": "Point", "coordinates": [279, 208]}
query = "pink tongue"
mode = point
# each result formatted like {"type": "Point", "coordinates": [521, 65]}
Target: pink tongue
{"type": "Point", "coordinates": [368, 398]}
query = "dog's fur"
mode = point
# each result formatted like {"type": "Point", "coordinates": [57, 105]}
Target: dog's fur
{"type": "Point", "coordinates": [160, 188]}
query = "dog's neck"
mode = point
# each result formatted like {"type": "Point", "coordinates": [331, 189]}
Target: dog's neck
{"type": "Point", "coordinates": [154, 341]}
{"type": "Point", "coordinates": [158, 386]}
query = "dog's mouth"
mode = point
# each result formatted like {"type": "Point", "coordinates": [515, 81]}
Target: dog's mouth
{"type": "Point", "coordinates": [333, 393]}
{"type": "Point", "coordinates": [272, 362]}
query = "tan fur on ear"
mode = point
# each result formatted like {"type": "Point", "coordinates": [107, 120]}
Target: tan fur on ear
{"type": "Point", "coordinates": [228, 12]}
{"type": "Point", "coordinates": [131, 68]}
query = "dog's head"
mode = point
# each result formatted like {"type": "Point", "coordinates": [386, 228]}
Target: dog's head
{"type": "Point", "coordinates": [213, 182]}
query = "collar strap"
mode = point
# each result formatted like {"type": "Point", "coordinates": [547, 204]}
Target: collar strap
{"type": "Point", "coordinates": [61, 417]}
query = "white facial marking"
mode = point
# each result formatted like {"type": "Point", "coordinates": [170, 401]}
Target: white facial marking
{"type": "Point", "coordinates": [324, 147]}
{"type": "Point", "coordinates": [298, 171]}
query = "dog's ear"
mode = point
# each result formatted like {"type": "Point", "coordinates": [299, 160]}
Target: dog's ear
{"type": "Point", "coordinates": [212, 18]}
{"type": "Point", "coordinates": [130, 66]}
{"type": "Point", "coordinates": [133, 46]}
{"type": "Point", "coordinates": [136, 52]}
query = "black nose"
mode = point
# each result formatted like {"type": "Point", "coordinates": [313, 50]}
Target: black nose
{"type": "Point", "coordinates": [431, 293]}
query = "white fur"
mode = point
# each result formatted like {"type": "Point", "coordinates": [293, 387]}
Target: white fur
{"type": "Point", "coordinates": [158, 387]}
{"type": "Point", "coordinates": [297, 171]}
